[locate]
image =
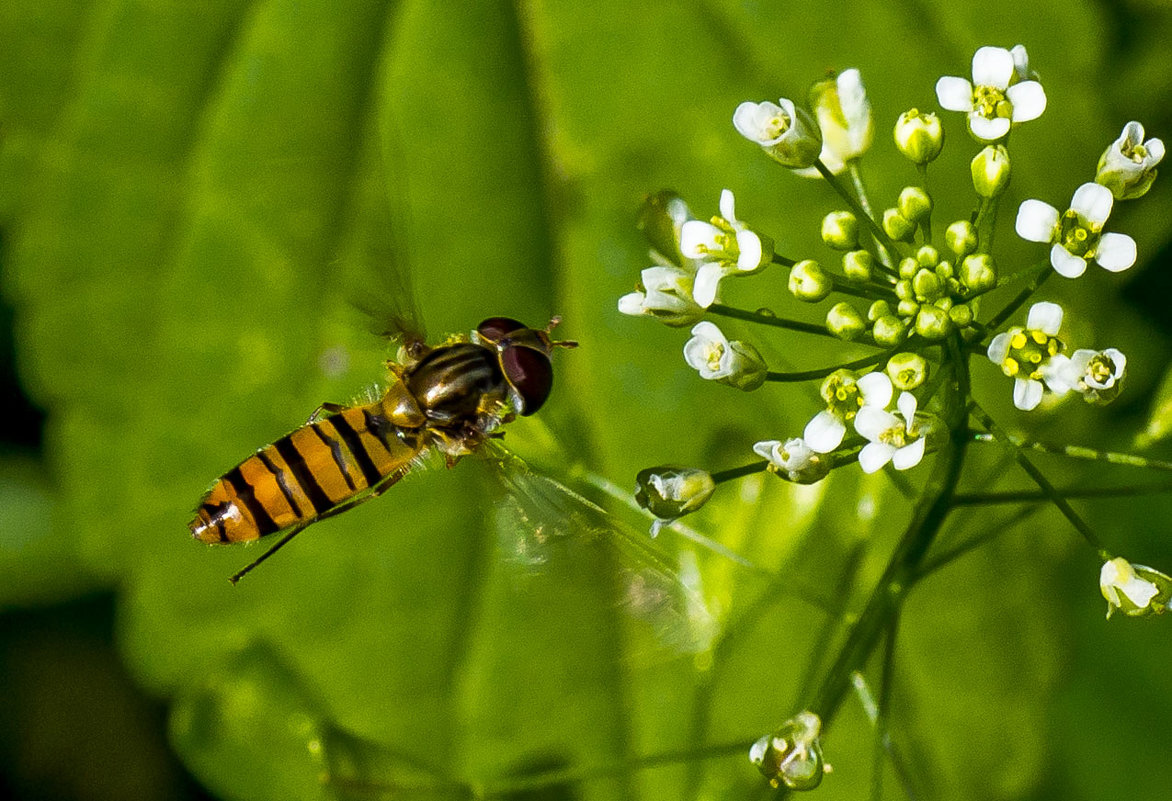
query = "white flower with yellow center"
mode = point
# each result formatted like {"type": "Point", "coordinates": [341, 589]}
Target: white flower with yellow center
{"type": "Point", "coordinates": [1077, 235]}
{"type": "Point", "coordinates": [794, 459]}
{"type": "Point", "coordinates": [1097, 375]}
{"type": "Point", "coordinates": [785, 132]}
{"type": "Point", "coordinates": [897, 437]}
{"type": "Point", "coordinates": [735, 363]}
{"type": "Point", "coordinates": [845, 396]}
{"type": "Point", "coordinates": [995, 99]}
{"type": "Point", "coordinates": [1026, 354]}
{"type": "Point", "coordinates": [1135, 590]}
{"type": "Point", "coordinates": [1128, 165]}
{"type": "Point", "coordinates": [665, 293]}
{"type": "Point", "coordinates": [725, 246]}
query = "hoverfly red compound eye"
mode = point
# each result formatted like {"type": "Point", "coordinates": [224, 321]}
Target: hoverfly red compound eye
{"type": "Point", "coordinates": [494, 329]}
{"type": "Point", "coordinates": [530, 372]}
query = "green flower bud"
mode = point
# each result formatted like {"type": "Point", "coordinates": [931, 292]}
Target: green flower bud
{"type": "Point", "coordinates": [879, 308]}
{"type": "Point", "coordinates": [914, 203]}
{"type": "Point", "coordinates": [889, 330]}
{"type": "Point", "coordinates": [669, 491]}
{"type": "Point", "coordinates": [978, 273]}
{"type": "Point", "coordinates": [858, 264]}
{"type": "Point", "coordinates": [792, 755]}
{"type": "Point", "coordinates": [908, 267]}
{"type": "Point", "coordinates": [944, 270]}
{"type": "Point", "coordinates": [898, 227]}
{"type": "Point", "coordinates": [926, 285]}
{"type": "Point", "coordinates": [961, 238]}
{"type": "Point", "coordinates": [907, 370]}
{"type": "Point", "coordinates": [919, 136]}
{"type": "Point", "coordinates": [961, 314]}
{"type": "Point", "coordinates": [990, 170]}
{"type": "Point", "coordinates": [907, 308]}
{"type": "Point", "coordinates": [844, 321]}
{"type": "Point", "coordinates": [927, 256]}
{"type": "Point", "coordinates": [840, 230]}
{"type": "Point", "coordinates": [903, 289]}
{"type": "Point", "coordinates": [660, 219]}
{"type": "Point", "coordinates": [933, 323]}
{"type": "Point", "coordinates": [809, 282]}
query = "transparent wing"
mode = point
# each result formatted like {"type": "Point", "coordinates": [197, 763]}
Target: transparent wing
{"type": "Point", "coordinates": [546, 526]}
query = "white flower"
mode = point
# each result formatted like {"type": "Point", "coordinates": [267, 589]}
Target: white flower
{"type": "Point", "coordinates": [1128, 165]}
{"type": "Point", "coordinates": [844, 116]}
{"type": "Point", "coordinates": [1026, 354]}
{"type": "Point", "coordinates": [794, 459]}
{"type": "Point", "coordinates": [1096, 375]}
{"type": "Point", "coordinates": [894, 437]}
{"type": "Point", "coordinates": [736, 363]}
{"type": "Point", "coordinates": [845, 396]}
{"type": "Point", "coordinates": [725, 246]}
{"type": "Point", "coordinates": [1076, 236]}
{"type": "Point", "coordinates": [991, 102]}
{"type": "Point", "coordinates": [666, 294]}
{"type": "Point", "coordinates": [1135, 590]}
{"type": "Point", "coordinates": [1021, 65]}
{"type": "Point", "coordinates": [787, 133]}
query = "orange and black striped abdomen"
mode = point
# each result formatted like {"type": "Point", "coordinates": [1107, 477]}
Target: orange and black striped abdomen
{"type": "Point", "coordinates": [302, 476]}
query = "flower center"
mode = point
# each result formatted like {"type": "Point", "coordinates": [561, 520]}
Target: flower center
{"type": "Point", "coordinates": [776, 125]}
{"type": "Point", "coordinates": [1077, 237]}
{"type": "Point", "coordinates": [990, 102]}
{"type": "Point", "coordinates": [1137, 152]}
{"type": "Point", "coordinates": [1028, 351]}
{"type": "Point", "coordinates": [713, 355]}
{"type": "Point", "coordinates": [844, 400]}
{"type": "Point", "coordinates": [1100, 371]}
{"type": "Point", "coordinates": [899, 436]}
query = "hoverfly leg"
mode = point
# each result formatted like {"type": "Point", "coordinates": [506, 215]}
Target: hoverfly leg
{"type": "Point", "coordinates": [329, 408]}
{"type": "Point", "coordinates": [375, 491]}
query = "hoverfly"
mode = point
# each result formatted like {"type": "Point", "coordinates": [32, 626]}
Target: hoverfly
{"type": "Point", "coordinates": [451, 398]}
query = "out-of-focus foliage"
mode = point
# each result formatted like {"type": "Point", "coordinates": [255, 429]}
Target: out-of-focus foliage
{"type": "Point", "coordinates": [196, 194]}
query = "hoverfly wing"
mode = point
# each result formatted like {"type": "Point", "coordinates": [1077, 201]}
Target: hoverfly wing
{"type": "Point", "coordinates": [547, 527]}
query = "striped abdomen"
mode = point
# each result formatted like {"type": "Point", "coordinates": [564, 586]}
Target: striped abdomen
{"type": "Point", "coordinates": [302, 476]}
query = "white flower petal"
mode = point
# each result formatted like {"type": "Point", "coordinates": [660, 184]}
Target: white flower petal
{"type": "Point", "coordinates": [874, 455]}
{"type": "Point", "coordinates": [824, 432]}
{"type": "Point", "coordinates": [697, 238]}
{"type": "Point", "coordinates": [767, 449]}
{"type": "Point", "coordinates": [1045, 317]}
{"type": "Point", "coordinates": [728, 205]}
{"type": "Point", "coordinates": [1060, 374]}
{"type": "Point", "coordinates": [954, 94]}
{"type": "Point", "coordinates": [876, 389]}
{"type": "Point", "coordinates": [1116, 252]}
{"type": "Point", "coordinates": [988, 130]}
{"type": "Point", "coordinates": [632, 303]}
{"type": "Point", "coordinates": [1028, 99]}
{"type": "Point", "coordinates": [1119, 359]}
{"type": "Point", "coordinates": [998, 348]}
{"type": "Point", "coordinates": [1027, 394]}
{"type": "Point", "coordinates": [1067, 264]}
{"type": "Point", "coordinates": [1036, 221]}
{"type": "Point", "coordinates": [1021, 62]}
{"type": "Point", "coordinates": [910, 455]}
{"type": "Point", "coordinates": [751, 250]}
{"type": "Point", "coordinates": [907, 407]}
{"type": "Point", "coordinates": [707, 281]}
{"type": "Point", "coordinates": [992, 66]}
{"type": "Point", "coordinates": [1093, 202]}
{"type": "Point", "coordinates": [871, 421]}
{"type": "Point", "coordinates": [1155, 151]}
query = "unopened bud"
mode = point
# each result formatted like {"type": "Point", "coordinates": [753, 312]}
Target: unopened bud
{"type": "Point", "coordinates": [907, 370]}
{"type": "Point", "coordinates": [978, 273]}
{"type": "Point", "coordinates": [889, 330]}
{"type": "Point", "coordinates": [919, 136]}
{"type": "Point", "coordinates": [933, 322]}
{"type": "Point", "coordinates": [670, 491]}
{"type": "Point", "coordinates": [991, 171]}
{"type": "Point", "coordinates": [844, 321]}
{"type": "Point", "coordinates": [792, 755]}
{"type": "Point", "coordinates": [840, 230]}
{"type": "Point", "coordinates": [914, 203]}
{"type": "Point", "coordinates": [809, 282]}
{"type": "Point", "coordinates": [961, 238]}
{"type": "Point", "coordinates": [896, 226]}
{"type": "Point", "coordinates": [858, 265]}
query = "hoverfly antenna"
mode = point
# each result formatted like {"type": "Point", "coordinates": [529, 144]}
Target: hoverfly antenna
{"type": "Point", "coordinates": [557, 343]}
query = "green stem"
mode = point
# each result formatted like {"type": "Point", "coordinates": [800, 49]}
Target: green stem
{"type": "Point", "coordinates": [1082, 453]}
{"type": "Point", "coordinates": [1044, 485]}
{"type": "Point", "coordinates": [822, 372]}
{"type": "Point", "coordinates": [1034, 496]}
{"type": "Point", "coordinates": [1033, 271]}
{"type": "Point", "coordinates": [776, 322]}
{"type": "Point", "coordinates": [866, 291]}
{"type": "Point", "coordinates": [1017, 302]}
{"type": "Point", "coordinates": [734, 473]}
{"type": "Point", "coordinates": [926, 225]}
{"type": "Point", "coordinates": [986, 223]}
{"type": "Point", "coordinates": [881, 237]}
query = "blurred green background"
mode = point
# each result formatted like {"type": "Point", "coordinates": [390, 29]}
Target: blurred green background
{"type": "Point", "coordinates": [193, 198]}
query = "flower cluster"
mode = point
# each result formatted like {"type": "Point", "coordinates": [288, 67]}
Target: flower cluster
{"type": "Point", "coordinates": [911, 298]}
